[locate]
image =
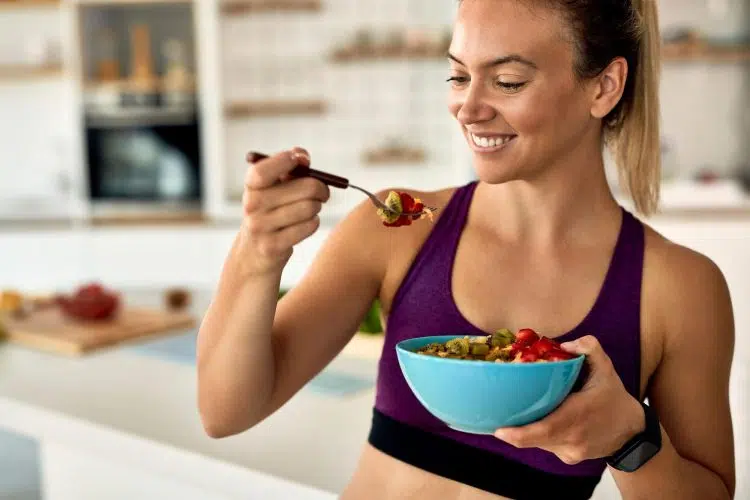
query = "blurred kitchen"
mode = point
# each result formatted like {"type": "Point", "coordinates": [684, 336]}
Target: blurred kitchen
{"type": "Point", "coordinates": [124, 126]}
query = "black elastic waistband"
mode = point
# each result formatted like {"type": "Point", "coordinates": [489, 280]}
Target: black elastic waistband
{"type": "Point", "coordinates": [473, 466]}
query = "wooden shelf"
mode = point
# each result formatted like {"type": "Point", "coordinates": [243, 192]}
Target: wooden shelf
{"type": "Point", "coordinates": [111, 3]}
{"type": "Point", "coordinates": [274, 108]}
{"type": "Point", "coordinates": [26, 4]}
{"type": "Point", "coordinates": [239, 7]}
{"type": "Point", "coordinates": [385, 54]}
{"type": "Point", "coordinates": [388, 156]}
{"type": "Point", "coordinates": [27, 72]}
{"type": "Point", "coordinates": [700, 52]}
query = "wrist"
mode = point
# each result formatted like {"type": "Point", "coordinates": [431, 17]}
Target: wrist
{"type": "Point", "coordinates": [246, 263]}
{"type": "Point", "coordinates": [643, 444]}
{"type": "Point", "coordinates": [634, 422]}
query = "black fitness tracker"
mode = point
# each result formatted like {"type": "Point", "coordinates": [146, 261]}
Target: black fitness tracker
{"type": "Point", "coordinates": [641, 448]}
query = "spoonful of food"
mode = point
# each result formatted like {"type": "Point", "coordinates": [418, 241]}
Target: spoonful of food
{"type": "Point", "coordinates": [392, 209]}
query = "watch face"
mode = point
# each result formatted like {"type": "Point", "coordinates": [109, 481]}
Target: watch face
{"type": "Point", "coordinates": [638, 456]}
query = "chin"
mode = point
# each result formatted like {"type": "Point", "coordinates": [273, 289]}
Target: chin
{"type": "Point", "coordinates": [495, 172]}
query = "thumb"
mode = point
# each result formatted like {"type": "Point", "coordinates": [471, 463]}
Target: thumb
{"type": "Point", "coordinates": [589, 346]}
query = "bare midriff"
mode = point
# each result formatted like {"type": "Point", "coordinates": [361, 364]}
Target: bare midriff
{"type": "Point", "coordinates": [381, 477]}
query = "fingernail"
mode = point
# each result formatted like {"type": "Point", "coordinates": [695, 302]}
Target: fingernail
{"type": "Point", "coordinates": [255, 157]}
{"type": "Point", "coordinates": [301, 158]}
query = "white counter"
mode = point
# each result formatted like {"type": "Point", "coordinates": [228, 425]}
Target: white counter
{"type": "Point", "coordinates": [134, 419]}
{"type": "Point", "coordinates": [108, 418]}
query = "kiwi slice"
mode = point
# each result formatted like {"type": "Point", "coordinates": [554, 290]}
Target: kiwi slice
{"type": "Point", "coordinates": [393, 202]}
{"type": "Point", "coordinates": [459, 347]}
{"type": "Point", "coordinates": [502, 338]}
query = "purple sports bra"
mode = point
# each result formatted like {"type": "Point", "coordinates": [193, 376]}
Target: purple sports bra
{"type": "Point", "coordinates": [424, 305]}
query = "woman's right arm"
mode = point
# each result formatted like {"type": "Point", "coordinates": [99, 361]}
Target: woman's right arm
{"type": "Point", "coordinates": [255, 353]}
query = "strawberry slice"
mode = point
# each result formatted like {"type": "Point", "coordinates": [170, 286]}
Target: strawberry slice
{"type": "Point", "coordinates": [528, 356]}
{"type": "Point", "coordinates": [558, 355]}
{"type": "Point", "coordinates": [526, 336]}
{"type": "Point", "coordinates": [402, 203]}
{"type": "Point", "coordinates": [544, 345]}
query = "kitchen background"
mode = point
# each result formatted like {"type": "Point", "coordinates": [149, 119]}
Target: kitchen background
{"type": "Point", "coordinates": [124, 126]}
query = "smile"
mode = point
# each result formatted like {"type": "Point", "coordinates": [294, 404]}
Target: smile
{"type": "Point", "coordinates": [490, 143]}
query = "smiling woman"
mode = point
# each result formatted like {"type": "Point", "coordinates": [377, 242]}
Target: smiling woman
{"type": "Point", "coordinates": [538, 88]}
{"type": "Point", "coordinates": [619, 42]}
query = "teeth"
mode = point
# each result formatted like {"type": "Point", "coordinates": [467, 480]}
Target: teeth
{"type": "Point", "coordinates": [484, 142]}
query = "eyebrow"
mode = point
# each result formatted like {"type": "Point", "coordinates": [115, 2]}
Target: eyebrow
{"type": "Point", "coordinates": [512, 58]}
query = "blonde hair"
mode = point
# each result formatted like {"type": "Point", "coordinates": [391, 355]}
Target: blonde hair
{"type": "Point", "coordinates": [635, 137]}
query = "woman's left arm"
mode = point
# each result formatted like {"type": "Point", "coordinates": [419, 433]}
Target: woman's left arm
{"type": "Point", "coordinates": [689, 391]}
{"type": "Point", "coordinates": [690, 388]}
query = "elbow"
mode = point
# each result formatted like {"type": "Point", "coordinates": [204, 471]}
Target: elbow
{"type": "Point", "coordinates": [225, 417]}
{"type": "Point", "coordinates": [215, 430]}
{"type": "Point", "coordinates": [222, 426]}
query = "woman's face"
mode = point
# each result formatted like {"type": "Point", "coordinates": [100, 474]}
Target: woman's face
{"type": "Point", "coordinates": [513, 89]}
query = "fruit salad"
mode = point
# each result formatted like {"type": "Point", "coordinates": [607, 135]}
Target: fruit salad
{"type": "Point", "coordinates": [503, 346]}
{"type": "Point", "coordinates": [398, 204]}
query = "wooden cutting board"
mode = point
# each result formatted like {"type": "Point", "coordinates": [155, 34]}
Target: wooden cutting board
{"type": "Point", "coordinates": [50, 330]}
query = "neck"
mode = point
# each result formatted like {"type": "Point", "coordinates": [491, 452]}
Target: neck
{"type": "Point", "coordinates": [570, 201]}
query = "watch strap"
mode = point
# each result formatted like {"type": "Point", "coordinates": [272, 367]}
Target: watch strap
{"type": "Point", "coordinates": [640, 448]}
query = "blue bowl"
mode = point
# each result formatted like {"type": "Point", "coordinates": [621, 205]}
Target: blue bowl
{"type": "Point", "coordinates": [479, 397]}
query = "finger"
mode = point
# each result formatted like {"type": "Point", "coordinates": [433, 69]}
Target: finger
{"type": "Point", "coordinates": [302, 154]}
{"type": "Point", "coordinates": [548, 432]}
{"type": "Point", "coordinates": [284, 194]}
{"type": "Point", "coordinates": [590, 346]}
{"type": "Point", "coordinates": [286, 238]}
{"type": "Point", "coordinates": [267, 172]}
{"type": "Point", "coordinates": [284, 216]}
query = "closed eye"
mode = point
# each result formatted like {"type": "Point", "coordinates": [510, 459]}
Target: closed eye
{"type": "Point", "coordinates": [511, 86]}
{"type": "Point", "coordinates": [457, 79]}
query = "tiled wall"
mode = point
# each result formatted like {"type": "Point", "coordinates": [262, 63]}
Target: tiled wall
{"type": "Point", "coordinates": [288, 56]}
{"type": "Point", "coordinates": [705, 108]}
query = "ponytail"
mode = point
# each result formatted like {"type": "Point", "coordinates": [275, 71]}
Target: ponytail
{"type": "Point", "coordinates": [636, 139]}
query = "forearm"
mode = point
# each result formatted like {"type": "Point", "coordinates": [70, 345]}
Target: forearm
{"type": "Point", "coordinates": [670, 476]}
{"type": "Point", "coordinates": [235, 351]}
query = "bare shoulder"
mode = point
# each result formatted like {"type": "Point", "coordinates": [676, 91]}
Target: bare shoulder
{"type": "Point", "coordinates": [396, 247]}
{"type": "Point", "coordinates": [361, 237]}
{"type": "Point", "coordinates": [364, 220]}
{"type": "Point", "coordinates": [688, 293]}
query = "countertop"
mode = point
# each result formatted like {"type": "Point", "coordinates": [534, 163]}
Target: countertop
{"type": "Point", "coordinates": [138, 404]}
{"type": "Point", "coordinates": [132, 402]}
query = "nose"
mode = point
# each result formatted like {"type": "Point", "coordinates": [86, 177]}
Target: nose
{"type": "Point", "coordinates": [474, 108]}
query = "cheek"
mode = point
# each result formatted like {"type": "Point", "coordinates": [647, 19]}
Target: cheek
{"type": "Point", "coordinates": [527, 114]}
{"type": "Point", "coordinates": [541, 114]}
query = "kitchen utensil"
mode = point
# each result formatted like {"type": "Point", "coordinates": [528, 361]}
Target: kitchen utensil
{"type": "Point", "coordinates": [339, 182]}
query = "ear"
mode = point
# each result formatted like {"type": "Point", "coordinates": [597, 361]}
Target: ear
{"type": "Point", "coordinates": [608, 87]}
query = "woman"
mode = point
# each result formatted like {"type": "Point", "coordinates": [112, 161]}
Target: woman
{"type": "Point", "coordinates": [539, 241]}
